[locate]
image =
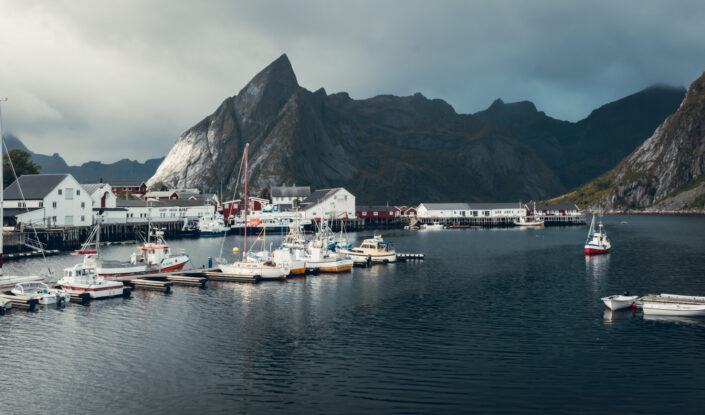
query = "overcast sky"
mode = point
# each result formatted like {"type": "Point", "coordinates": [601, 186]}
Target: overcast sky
{"type": "Point", "coordinates": [102, 80]}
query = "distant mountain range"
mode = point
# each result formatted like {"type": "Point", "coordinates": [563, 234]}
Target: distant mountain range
{"type": "Point", "coordinates": [91, 171]}
{"type": "Point", "coordinates": [405, 149]}
{"type": "Point", "coordinates": [665, 173]}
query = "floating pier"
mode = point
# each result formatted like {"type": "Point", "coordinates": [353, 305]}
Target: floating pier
{"type": "Point", "coordinates": [150, 284]}
{"type": "Point", "coordinates": [219, 276]}
{"type": "Point", "coordinates": [24, 302]}
{"type": "Point", "coordinates": [407, 257]}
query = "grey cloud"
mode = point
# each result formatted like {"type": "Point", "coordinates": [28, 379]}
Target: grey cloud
{"type": "Point", "coordinates": [93, 80]}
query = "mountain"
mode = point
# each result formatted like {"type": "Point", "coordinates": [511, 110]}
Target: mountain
{"type": "Point", "coordinates": [579, 152]}
{"type": "Point", "coordinates": [663, 173]}
{"type": "Point", "coordinates": [91, 171]}
{"type": "Point", "coordinates": [382, 149]}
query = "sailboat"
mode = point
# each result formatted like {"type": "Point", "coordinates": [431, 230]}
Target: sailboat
{"type": "Point", "coordinates": [9, 281]}
{"type": "Point", "coordinates": [251, 266]}
{"type": "Point", "coordinates": [597, 242]}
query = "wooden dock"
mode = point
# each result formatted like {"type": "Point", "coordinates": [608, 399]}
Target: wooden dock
{"type": "Point", "coordinates": [24, 302]}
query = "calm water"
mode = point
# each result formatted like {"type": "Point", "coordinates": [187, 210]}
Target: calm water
{"type": "Point", "coordinates": [493, 321]}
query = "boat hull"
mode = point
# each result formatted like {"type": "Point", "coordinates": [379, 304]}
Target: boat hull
{"type": "Point", "coordinates": [95, 291]}
{"type": "Point", "coordinates": [265, 273]}
{"type": "Point", "coordinates": [128, 269]}
{"type": "Point", "coordinates": [596, 250]}
{"type": "Point", "coordinates": [673, 309]}
{"type": "Point", "coordinates": [619, 302]}
{"type": "Point", "coordinates": [342, 265]}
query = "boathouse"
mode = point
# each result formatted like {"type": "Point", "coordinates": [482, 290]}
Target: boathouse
{"type": "Point", "coordinates": [49, 200]}
{"type": "Point", "coordinates": [463, 210]}
{"type": "Point", "coordinates": [386, 212]}
{"type": "Point", "coordinates": [135, 187]}
{"type": "Point", "coordinates": [336, 203]}
{"type": "Point", "coordinates": [167, 210]}
{"type": "Point", "coordinates": [561, 209]}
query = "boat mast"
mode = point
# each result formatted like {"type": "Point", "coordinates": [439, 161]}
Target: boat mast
{"type": "Point", "coordinates": [2, 189]}
{"type": "Point", "coordinates": [244, 255]}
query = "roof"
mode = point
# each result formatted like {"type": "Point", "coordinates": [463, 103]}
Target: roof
{"type": "Point", "coordinates": [291, 191]}
{"type": "Point", "coordinates": [12, 212]}
{"type": "Point", "coordinates": [91, 188]}
{"type": "Point", "coordinates": [34, 186]}
{"type": "Point", "coordinates": [181, 195]}
{"type": "Point", "coordinates": [446, 206]}
{"type": "Point", "coordinates": [317, 196]}
{"type": "Point", "coordinates": [372, 208]}
{"type": "Point", "coordinates": [160, 203]}
{"type": "Point", "coordinates": [165, 193]}
{"type": "Point", "coordinates": [109, 209]}
{"type": "Point", "coordinates": [126, 183]}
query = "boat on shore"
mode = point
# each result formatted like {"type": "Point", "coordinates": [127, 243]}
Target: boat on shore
{"type": "Point", "coordinates": [597, 242]}
{"type": "Point", "coordinates": [620, 301]}
{"type": "Point", "coordinates": [673, 305]}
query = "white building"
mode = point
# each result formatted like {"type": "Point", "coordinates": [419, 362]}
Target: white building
{"type": "Point", "coordinates": [46, 200]}
{"type": "Point", "coordinates": [333, 203]}
{"type": "Point", "coordinates": [175, 210]}
{"type": "Point", "coordinates": [462, 210]}
{"type": "Point", "coordinates": [286, 195]}
{"type": "Point", "coordinates": [101, 194]}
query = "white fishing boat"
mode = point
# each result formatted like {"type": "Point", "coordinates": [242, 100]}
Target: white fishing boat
{"type": "Point", "coordinates": [212, 225]}
{"type": "Point", "coordinates": [41, 292]}
{"type": "Point", "coordinates": [82, 278]}
{"type": "Point", "coordinates": [435, 226]}
{"type": "Point", "coordinates": [619, 301]}
{"type": "Point", "coordinates": [250, 266]}
{"type": "Point", "coordinates": [597, 242]}
{"type": "Point", "coordinates": [673, 305]}
{"type": "Point", "coordinates": [154, 256]}
{"type": "Point", "coordinates": [376, 249]}
{"type": "Point", "coordinates": [320, 258]}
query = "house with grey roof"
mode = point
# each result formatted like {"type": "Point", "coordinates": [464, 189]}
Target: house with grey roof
{"type": "Point", "coordinates": [286, 195]}
{"type": "Point", "coordinates": [48, 200]}
{"type": "Point", "coordinates": [461, 210]}
{"type": "Point", "coordinates": [333, 203]}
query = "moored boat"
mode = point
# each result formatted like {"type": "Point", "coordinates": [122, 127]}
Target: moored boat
{"type": "Point", "coordinates": [41, 292]}
{"type": "Point", "coordinates": [435, 226]}
{"type": "Point", "coordinates": [619, 301]}
{"type": "Point", "coordinates": [212, 225]}
{"type": "Point", "coordinates": [375, 249]}
{"type": "Point", "coordinates": [83, 278]}
{"type": "Point", "coordinates": [673, 305]}
{"type": "Point", "coordinates": [597, 242]}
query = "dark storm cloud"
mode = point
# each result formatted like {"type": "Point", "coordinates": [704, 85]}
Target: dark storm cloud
{"type": "Point", "coordinates": [96, 80]}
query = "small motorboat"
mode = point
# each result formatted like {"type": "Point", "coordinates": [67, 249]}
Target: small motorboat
{"type": "Point", "coordinates": [375, 250]}
{"type": "Point", "coordinates": [42, 292]}
{"type": "Point", "coordinates": [597, 242]}
{"type": "Point", "coordinates": [5, 305]}
{"type": "Point", "coordinates": [673, 305]}
{"type": "Point", "coordinates": [84, 279]}
{"type": "Point", "coordinates": [620, 301]}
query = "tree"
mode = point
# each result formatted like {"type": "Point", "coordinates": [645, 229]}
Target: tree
{"type": "Point", "coordinates": [22, 164]}
{"type": "Point", "coordinates": [158, 187]}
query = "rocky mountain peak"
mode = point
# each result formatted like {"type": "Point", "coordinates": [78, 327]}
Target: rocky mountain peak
{"type": "Point", "coordinates": [273, 84]}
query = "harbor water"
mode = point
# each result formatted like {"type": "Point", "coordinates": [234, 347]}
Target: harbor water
{"type": "Point", "coordinates": [492, 321]}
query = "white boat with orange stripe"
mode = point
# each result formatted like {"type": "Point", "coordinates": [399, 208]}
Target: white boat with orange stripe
{"type": "Point", "coordinates": [82, 278]}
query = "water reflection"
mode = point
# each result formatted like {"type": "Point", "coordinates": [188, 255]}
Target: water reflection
{"type": "Point", "coordinates": [617, 316]}
{"type": "Point", "coordinates": [691, 321]}
{"type": "Point", "coordinates": [597, 267]}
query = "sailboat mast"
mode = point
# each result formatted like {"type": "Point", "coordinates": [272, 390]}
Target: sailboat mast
{"type": "Point", "coordinates": [244, 255]}
{"type": "Point", "coordinates": [2, 183]}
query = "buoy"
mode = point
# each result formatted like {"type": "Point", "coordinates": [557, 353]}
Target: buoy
{"type": "Point", "coordinates": [236, 250]}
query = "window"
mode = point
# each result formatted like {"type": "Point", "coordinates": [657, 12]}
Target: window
{"type": "Point", "coordinates": [53, 204]}
{"type": "Point", "coordinates": [78, 192]}
{"type": "Point", "coordinates": [486, 213]}
{"type": "Point", "coordinates": [69, 193]}
{"type": "Point", "coordinates": [364, 213]}
{"type": "Point", "coordinates": [59, 191]}
{"type": "Point", "coordinates": [83, 204]}
{"type": "Point", "coordinates": [68, 220]}
{"type": "Point", "coordinates": [375, 214]}
{"type": "Point", "coordinates": [83, 218]}
{"type": "Point", "coordinates": [41, 204]}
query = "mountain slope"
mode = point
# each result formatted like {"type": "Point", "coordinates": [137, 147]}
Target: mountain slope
{"type": "Point", "coordinates": [91, 171]}
{"type": "Point", "coordinates": [383, 149]}
{"type": "Point", "coordinates": [665, 172]}
{"type": "Point", "coordinates": [578, 152]}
